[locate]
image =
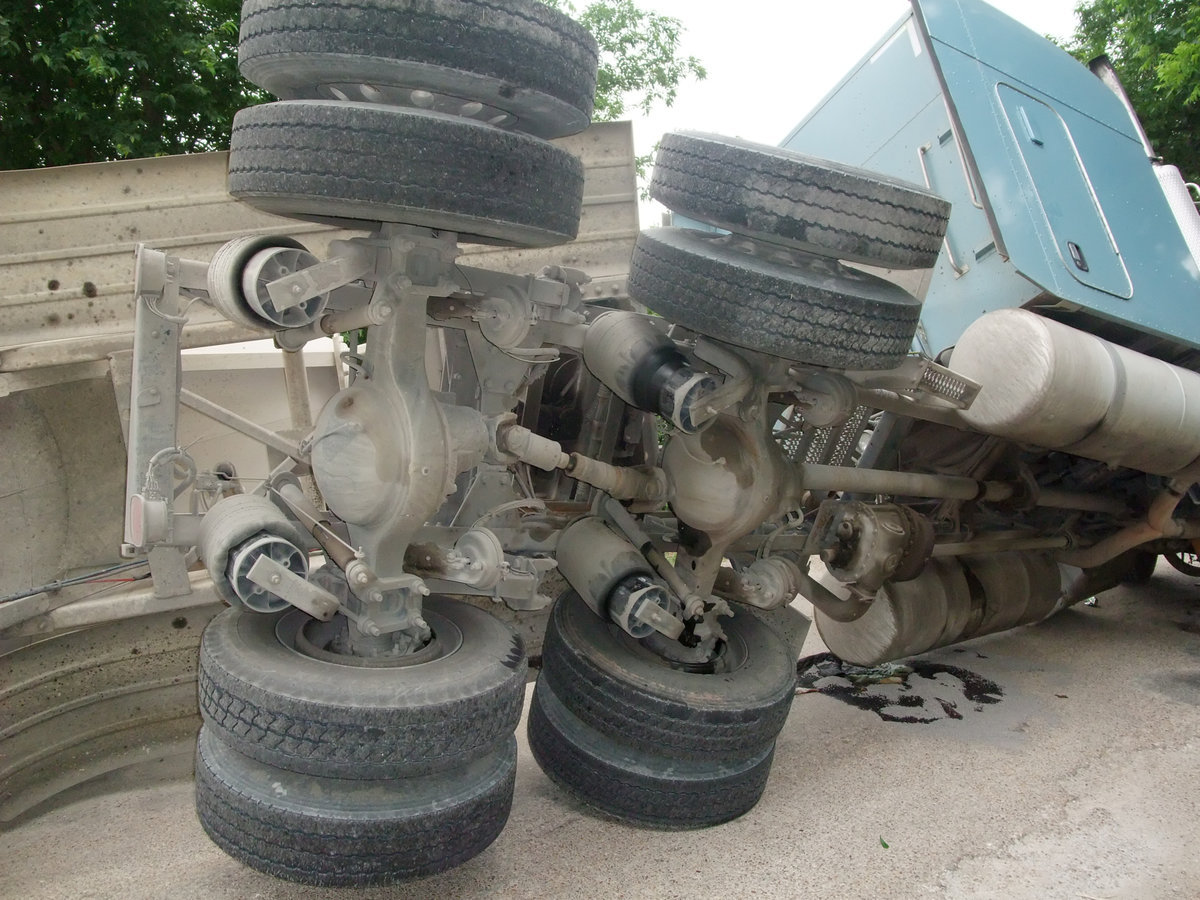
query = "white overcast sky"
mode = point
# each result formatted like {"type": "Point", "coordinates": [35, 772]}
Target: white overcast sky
{"type": "Point", "coordinates": [770, 61]}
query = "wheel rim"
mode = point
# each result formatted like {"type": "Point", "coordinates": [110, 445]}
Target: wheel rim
{"type": "Point", "coordinates": [311, 638]}
{"type": "Point", "coordinates": [728, 655]}
{"type": "Point", "coordinates": [812, 265]}
{"type": "Point", "coordinates": [1185, 561]}
{"type": "Point", "coordinates": [420, 98]}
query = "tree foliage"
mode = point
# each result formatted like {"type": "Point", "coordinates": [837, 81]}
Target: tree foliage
{"type": "Point", "coordinates": [1155, 47]}
{"type": "Point", "coordinates": [91, 80]}
{"type": "Point", "coordinates": [640, 65]}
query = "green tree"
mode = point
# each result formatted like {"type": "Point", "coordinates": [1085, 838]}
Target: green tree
{"type": "Point", "coordinates": [640, 65]}
{"type": "Point", "coordinates": [91, 80]}
{"type": "Point", "coordinates": [1155, 47]}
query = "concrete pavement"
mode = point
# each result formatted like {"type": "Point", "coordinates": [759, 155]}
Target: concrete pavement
{"type": "Point", "coordinates": [1079, 783]}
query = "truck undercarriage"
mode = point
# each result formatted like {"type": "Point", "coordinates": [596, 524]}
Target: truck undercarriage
{"type": "Point", "coordinates": [671, 468]}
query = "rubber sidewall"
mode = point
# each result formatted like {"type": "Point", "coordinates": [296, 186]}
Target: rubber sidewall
{"type": "Point", "coordinates": [618, 687]}
{"type": "Point", "coordinates": [281, 707]}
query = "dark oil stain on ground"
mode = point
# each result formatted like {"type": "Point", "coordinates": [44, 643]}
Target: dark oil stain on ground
{"type": "Point", "coordinates": [826, 674]}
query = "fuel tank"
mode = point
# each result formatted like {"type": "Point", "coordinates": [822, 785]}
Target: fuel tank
{"type": "Point", "coordinates": [1049, 384]}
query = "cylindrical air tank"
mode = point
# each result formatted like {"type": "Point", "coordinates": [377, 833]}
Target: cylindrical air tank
{"type": "Point", "coordinates": [1049, 384]}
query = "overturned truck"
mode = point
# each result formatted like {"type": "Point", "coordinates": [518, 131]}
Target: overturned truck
{"type": "Point", "coordinates": [772, 392]}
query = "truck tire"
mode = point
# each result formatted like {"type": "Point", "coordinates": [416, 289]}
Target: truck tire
{"type": "Point", "coordinates": [619, 688]}
{"type": "Point", "coordinates": [1185, 561]}
{"type": "Point", "coordinates": [789, 304]}
{"type": "Point", "coordinates": [264, 694]}
{"type": "Point", "coordinates": [810, 204]}
{"type": "Point", "coordinates": [636, 784]}
{"type": "Point", "coordinates": [521, 64]}
{"type": "Point", "coordinates": [326, 831]}
{"type": "Point", "coordinates": [353, 163]}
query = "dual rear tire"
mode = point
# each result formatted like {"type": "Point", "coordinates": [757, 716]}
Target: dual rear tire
{"type": "Point", "coordinates": [348, 163]}
{"type": "Point", "coordinates": [326, 771]}
{"type": "Point", "coordinates": [652, 743]}
{"type": "Point", "coordinates": [343, 832]}
{"type": "Point", "coordinates": [434, 114]}
{"type": "Point", "coordinates": [771, 277]}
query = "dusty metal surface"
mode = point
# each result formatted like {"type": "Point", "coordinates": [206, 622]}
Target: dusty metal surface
{"type": "Point", "coordinates": [1056, 790]}
{"type": "Point", "coordinates": [68, 235]}
{"type": "Point", "coordinates": [86, 704]}
{"type": "Point", "coordinates": [63, 504]}
{"type": "Point", "coordinates": [66, 303]}
{"type": "Point", "coordinates": [59, 500]}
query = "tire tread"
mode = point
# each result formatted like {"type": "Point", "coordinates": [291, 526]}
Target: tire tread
{"type": "Point", "coordinates": [816, 205]}
{"type": "Point", "coordinates": [352, 162]}
{"type": "Point", "coordinates": [522, 43]}
{"type": "Point", "coordinates": [313, 736]}
{"type": "Point", "coordinates": [663, 801]}
{"type": "Point", "coordinates": [690, 278]}
{"type": "Point", "coordinates": [334, 848]}
{"type": "Point", "coordinates": [700, 727]}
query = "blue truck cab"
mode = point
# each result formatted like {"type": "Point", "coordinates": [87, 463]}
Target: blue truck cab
{"type": "Point", "coordinates": [1057, 206]}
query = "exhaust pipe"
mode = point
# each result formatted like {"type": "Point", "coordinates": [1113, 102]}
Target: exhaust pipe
{"type": "Point", "coordinates": [951, 601]}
